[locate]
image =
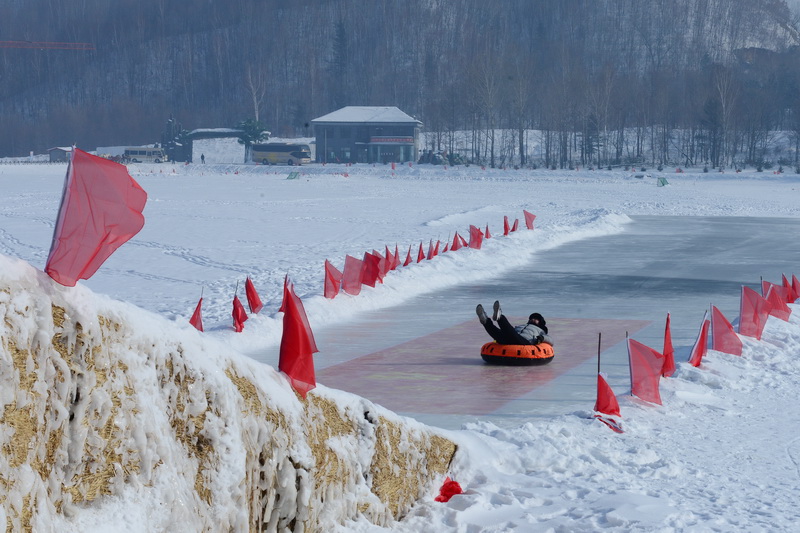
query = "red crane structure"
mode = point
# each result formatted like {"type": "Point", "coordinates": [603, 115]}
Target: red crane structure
{"type": "Point", "coordinates": [46, 45]}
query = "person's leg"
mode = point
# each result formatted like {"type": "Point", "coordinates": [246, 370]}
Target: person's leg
{"type": "Point", "coordinates": [494, 332]}
{"type": "Point", "coordinates": [509, 333]}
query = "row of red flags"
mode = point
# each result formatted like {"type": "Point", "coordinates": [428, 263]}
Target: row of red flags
{"type": "Point", "coordinates": [648, 366]}
{"type": "Point", "coordinates": [374, 266]}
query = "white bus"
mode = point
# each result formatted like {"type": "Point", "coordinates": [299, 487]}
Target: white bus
{"type": "Point", "coordinates": [281, 154]}
{"type": "Point", "coordinates": [144, 154]}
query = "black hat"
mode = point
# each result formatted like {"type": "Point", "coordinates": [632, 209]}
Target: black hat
{"type": "Point", "coordinates": [538, 317]}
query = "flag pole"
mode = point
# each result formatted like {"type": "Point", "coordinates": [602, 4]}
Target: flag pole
{"type": "Point", "coordinates": [599, 337]}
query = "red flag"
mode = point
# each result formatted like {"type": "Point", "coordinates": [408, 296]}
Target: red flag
{"type": "Point", "coordinates": [700, 347]}
{"type": "Point", "coordinates": [449, 489]}
{"type": "Point", "coordinates": [723, 337]}
{"type": "Point", "coordinates": [646, 365]}
{"type": "Point", "coordinates": [776, 297]}
{"type": "Point", "coordinates": [446, 247]}
{"type": "Point", "coordinates": [515, 227]}
{"type": "Point", "coordinates": [101, 209]}
{"type": "Point", "coordinates": [420, 254]}
{"type": "Point", "coordinates": [351, 277]}
{"type": "Point", "coordinates": [669, 352]}
{"type": "Point", "coordinates": [197, 316]}
{"type": "Point", "coordinates": [333, 280]}
{"type": "Point", "coordinates": [753, 313]}
{"type": "Point", "coordinates": [253, 300]}
{"type": "Point", "coordinates": [506, 227]}
{"type": "Point", "coordinates": [790, 294]}
{"type": "Point", "coordinates": [475, 237]}
{"type": "Point", "coordinates": [389, 259]}
{"type": "Point", "coordinates": [462, 240]}
{"type": "Point", "coordinates": [487, 234]}
{"type": "Point", "coordinates": [436, 248]}
{"type": "Point", "coordinates": [239, 315]}
{"type": "Point", "coordinates": [370, 270]}
{"type": "Point", "coordinates": [796, 286]}
{"type": "Point", "coordinates": [430, 255]}
{"type": "Point", "coordinates": [456, 242]}
{"type": "Point", "coordinates": [383, 265]}
{"type": "Point", "coordinates": [297, 342]}
{"type": "Point", "coordinates": [606, 402]}
{"type": "Point", "coordinates": [529, 218]}
{"type": "Point", "coordinates": [396, 261]}
{"type": "Point", "coordinates": [408, 257]}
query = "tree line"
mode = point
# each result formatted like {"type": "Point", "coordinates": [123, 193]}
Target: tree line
{"type": "Point", "coordinates": [604, 81]}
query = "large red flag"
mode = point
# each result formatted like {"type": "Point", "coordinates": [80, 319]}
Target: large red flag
{"type": "Point", "coordinates": [370, 270]}
{"type": "Point", "coordinates": [506, 227]}
{"type": "Point", "coordinates": [646, 365]}
{"type": "Point", "coordinates": [669, 351]}
{"type": "Point", "coordinates": [700, 347]}
{"type": "Point", "coordinates": [351, 277]}
{"type": "Point", "coordinates": [475, 237]}
{"type": "Point", "coordinates": [101, 209]}
{"type": "Point", "coordinates": [529, 218]}
{"type": "Point", "coordinates": [753, 313]}
{"type": "Point", "coordinates": [253, 300]}
{"type": "Point", "coordinates": [776, 296]}
{"type": "Point", "coordinates": [197, 316]}
{"type": "Point", "coordinates": [239, 315]}
{"type": "Point", "coordinates": [723, 337]}
{"type": "Point", "coordinates": [606, 402]}
{"type": "Point", "coordinates": [297, 342]}
{"type": "Point", "coordinates": [333, 280]}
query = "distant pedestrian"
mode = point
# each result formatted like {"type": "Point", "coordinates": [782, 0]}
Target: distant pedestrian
{"type": "Point", "coordinates": [203, 158]}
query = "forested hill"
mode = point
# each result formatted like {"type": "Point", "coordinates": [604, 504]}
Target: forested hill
{"type": "Point", "coordinates": [511, 63]}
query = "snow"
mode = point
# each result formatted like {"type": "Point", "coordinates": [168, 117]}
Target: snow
{"type": "Point", "coordinates": [374, 114]}
{"type": "Point", "coordinates": [721, 454]}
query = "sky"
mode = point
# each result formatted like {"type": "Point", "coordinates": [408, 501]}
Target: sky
{"type": "Point", "coordinates": [720, 454]}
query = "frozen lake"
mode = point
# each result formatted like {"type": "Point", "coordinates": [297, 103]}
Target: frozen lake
{"type": "Point", "coordinates": [604, 285]}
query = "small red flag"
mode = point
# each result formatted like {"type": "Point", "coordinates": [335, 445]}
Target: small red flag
{"type": "Point", "coordinates": [753, 313]}
{"type": "Point", "coordinates": [396, 262]}
{"type": "Point", "coordinates": [351, 277]}
{"type": "Point", "coordinates": [333, 280]}
{"type": "Point", "coordinates": [515, 227]}
{"type": "Point", "coordinates": [446, 247]}
{"type": "Point", "coordinates": [606, 402]}
{"type": "Point", "coordinates": [408, 257]}
{"type": "Point", "coordinates": [529, 218]}
{"type": "Point", "coordinates": [796, 286]}
{"type": "Point", "coordinates": [420, 254]}
{"type": "Point", "coordinates": [723, 337]}
{"type": "Point", "coordinates": [506, 227]}
{"type": "Point", "coordinates": [297, 342]}
{"type": "Point", "coordinates": [101, 209]}
{"type": "Point", "coordinates": [700, 347]}
{"type": "Point", "coordinates": [486, 233]}
{"type": "Point", "coordinates": [669, 352]}
{"type": "Point", "coordinates": [430, 254]}
{"type": "Point", "coordinates": [239, 315]}
{"type": "Point", "coordinates": [197, 316]}
{"type": "Point", "coordinates": [456, 242]}
{"type": "Point", "coordinates": [475, 237]}
{"type": "Point", "coordinates": [449, 489]}
{"type": "Point", "coordinates": [383, 265]}
{"type": "Point", "coordinates": [253, 300]}
{"type": "Point", "coordinates": [787, 286]}
{"type": "Point", "coordinates": [436, 248]}
{"type": "Point", "coordinates": [646, 365]}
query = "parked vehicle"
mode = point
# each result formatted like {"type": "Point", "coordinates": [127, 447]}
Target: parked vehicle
{"type": "Point", "coordinates": [281, 154]}
{"type": "Point", "coordinates": [144, 154]}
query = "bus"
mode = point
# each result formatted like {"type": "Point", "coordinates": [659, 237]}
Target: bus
{"type": "Point", "coordinates": [144, 154]}
{"type": "Point", "coordinates": [281, 154]}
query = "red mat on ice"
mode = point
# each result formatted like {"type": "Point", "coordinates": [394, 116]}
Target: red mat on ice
{"type": "Point", "coordinates": [443, 373]}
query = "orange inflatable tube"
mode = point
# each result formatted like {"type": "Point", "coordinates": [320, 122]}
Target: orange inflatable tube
{"type": "Point", "coordinates": [517, 355]}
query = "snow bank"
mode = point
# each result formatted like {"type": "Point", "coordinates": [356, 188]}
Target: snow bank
{"type": "Point", "coordinates": [114, 418]}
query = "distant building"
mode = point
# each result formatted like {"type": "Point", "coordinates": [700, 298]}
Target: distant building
{"type": "Point", "coordinates": [60, 153]}
{"type": "Point", "coordinates": [359, 134]}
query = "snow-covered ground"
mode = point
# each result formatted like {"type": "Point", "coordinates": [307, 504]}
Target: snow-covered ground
{"type": "Point", "coordinates": [721, 454]}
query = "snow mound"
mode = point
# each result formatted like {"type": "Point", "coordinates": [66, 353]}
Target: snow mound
{"type": "Point", "coordinates": [114, 418]}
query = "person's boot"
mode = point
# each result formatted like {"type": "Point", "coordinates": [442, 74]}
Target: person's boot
{"type": "Point", "coordinates": [497, 311]}
{"type": "Point", "coordinates": [481, 314]}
